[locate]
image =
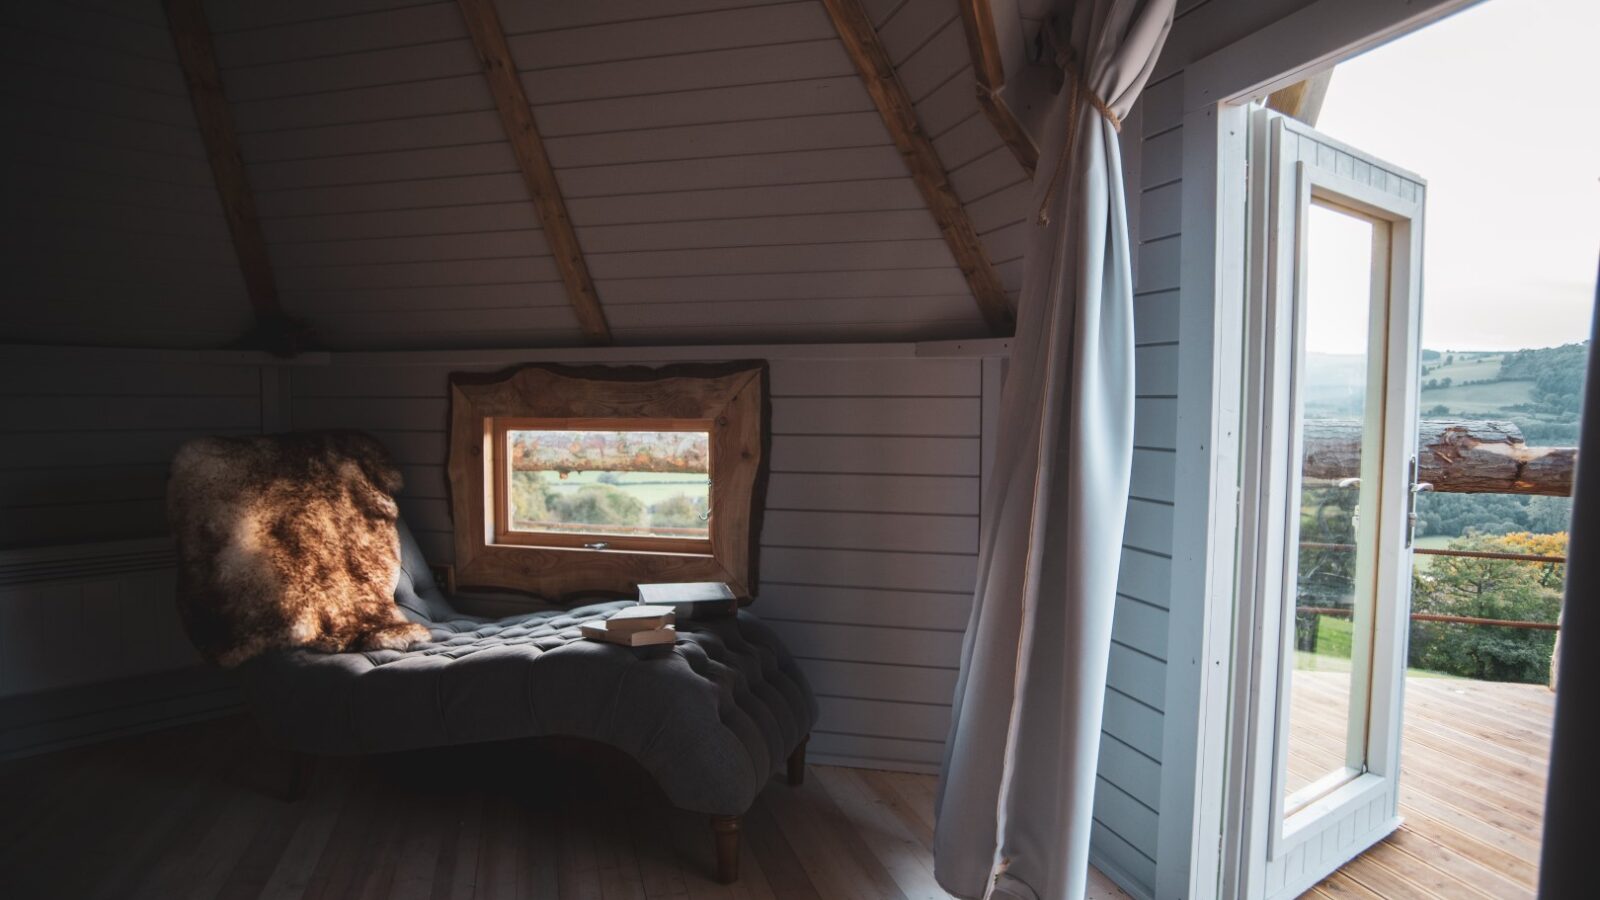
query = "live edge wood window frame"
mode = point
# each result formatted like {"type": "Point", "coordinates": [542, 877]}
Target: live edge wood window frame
{"type": "Point", "coordinates": [727, 401]}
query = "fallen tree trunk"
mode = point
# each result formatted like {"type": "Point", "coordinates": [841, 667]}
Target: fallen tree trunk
{"type": "Point", "coordinates": [610, 451]}
{"type": "Point", "coordinates": [1457, 456]}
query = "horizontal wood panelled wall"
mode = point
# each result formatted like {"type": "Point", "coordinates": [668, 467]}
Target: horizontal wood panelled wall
{"type": "Point", "coordinates": [895, 106]}
{"type": "Point", "coordinates": [725, 171]}
{"type": "Point", "coordinates": [869, 541]}
{"type": "Point", "coordinates": [86, 570]}
{"type": "Point", "coordinates": [522, 132]}
{"type": "Point", "coordinates": [869, 537]}
{"type": "Point", "coordinates": [191, 37]}
{"type": "Point", "coordinates": [112, 228]}
{"type": "Point", "coordinates": [927, 41]}
{"type": "Point", "coordinates": [86, 437]}
{"type": "Point", "coordinates": [1131, 855]}
{"type": "Point", "coordinates": [390, 197]}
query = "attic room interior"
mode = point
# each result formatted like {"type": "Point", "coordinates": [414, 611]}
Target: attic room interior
{"type": "Point", "coordinates": [797, 449]}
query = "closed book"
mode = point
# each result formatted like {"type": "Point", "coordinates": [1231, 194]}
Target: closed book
{"type": "Point", "coordinates": [599, 632]}
{"type": "Point", "coordinates": [691, 599]}
{"type": "Point", "coordinates": [640, 618]}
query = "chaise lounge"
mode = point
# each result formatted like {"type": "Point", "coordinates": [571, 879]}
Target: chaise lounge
{"type": "Point", "coordinates": [710, 718]}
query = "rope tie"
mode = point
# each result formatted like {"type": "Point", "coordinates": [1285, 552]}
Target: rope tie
{"type": "Point", "coordinates": [1080, 92]}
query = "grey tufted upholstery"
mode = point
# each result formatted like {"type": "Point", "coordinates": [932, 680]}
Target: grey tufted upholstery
{"type": "Point", "coordinates": [711, 718]}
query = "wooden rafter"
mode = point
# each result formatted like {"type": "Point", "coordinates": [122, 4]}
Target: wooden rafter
{"type": "Point", "coordinates": [983, 45]}
{"type": "Point", "coordinates": [191, 35]}
{"type": "Point", "coordinates": [895, 106]}
{"type": "Point", "coordinates": [1303, 99]}
{"type": "Point", "coordinates": [528, 147]}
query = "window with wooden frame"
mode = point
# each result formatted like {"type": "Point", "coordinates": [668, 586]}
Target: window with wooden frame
{"type": "Point", "coordinates": [573, 481]}
{"type": "Point", "coordinates": [622, 484]}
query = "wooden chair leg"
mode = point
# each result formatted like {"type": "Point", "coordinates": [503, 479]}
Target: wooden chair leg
{"type": "Point", "coordinates": [797, 763]}
{"type": "Point", "coordinates": [726, 831]}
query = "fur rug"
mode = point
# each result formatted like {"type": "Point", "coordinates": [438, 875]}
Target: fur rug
{"type": "Point", "coordinates": [287, 541]}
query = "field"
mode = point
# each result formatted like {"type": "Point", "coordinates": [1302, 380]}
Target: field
{"type": "Point", "coordinates": [1492, 399]}
{"type": "Point", "coordinates": [1333, 648]}
{"type": "Point", "coordinates": [1464, 367]}
{"type": "Point", "coordinates": [1333, 651]}
{"type": "Point", "coordinates": [650, 487]}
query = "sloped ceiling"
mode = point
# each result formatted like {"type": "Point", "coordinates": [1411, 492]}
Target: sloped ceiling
{"type": "Point", "coordinates": [113, 231]}
{"type": "Point", "coordinates": [727, 174]}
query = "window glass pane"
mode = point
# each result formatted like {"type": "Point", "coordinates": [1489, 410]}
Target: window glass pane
{"type": "Point", "coordinates": [641, 483]}
{"type": "Point", "coordinates": [1326, 741]}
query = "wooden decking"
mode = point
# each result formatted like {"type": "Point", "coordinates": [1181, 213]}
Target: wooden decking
{"type": "Point", "coordinates": [163, 816]}
{"type": "Point", "coordinates": [1471, 787]}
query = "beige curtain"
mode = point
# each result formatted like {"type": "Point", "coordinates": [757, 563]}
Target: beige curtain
{"type": "Point", "coordinates": [1017, 788]}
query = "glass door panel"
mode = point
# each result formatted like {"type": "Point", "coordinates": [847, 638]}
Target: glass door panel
{"type": "Point", "coordinates": [1326, 727]}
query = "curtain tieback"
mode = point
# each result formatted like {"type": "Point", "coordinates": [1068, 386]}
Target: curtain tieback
{"type": "Point", "coordinates": [1081, 93]}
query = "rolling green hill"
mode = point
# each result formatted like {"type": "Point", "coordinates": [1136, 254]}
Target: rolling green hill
{"type": "Point", "coordinates": [1539, 389]}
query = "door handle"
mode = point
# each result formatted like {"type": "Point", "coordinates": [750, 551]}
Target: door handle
{"type": "Point", "coordinates": [1417, 487]}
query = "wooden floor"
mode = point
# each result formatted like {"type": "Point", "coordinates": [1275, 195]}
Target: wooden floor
{"type": "Point", "coordinates": [165, 816]}
{"type": "Point", "coordinates": [1471, 787]}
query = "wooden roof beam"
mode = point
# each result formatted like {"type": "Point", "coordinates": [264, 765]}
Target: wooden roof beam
{"type": "Point", "coordinates": [895, 106]}
{"type": "Point", "coordinates": [1303, 99]}
{"type": "Point", "coordinates": [191, 36]}
{"type": "Point", "coordinates": [517, 116]}
{"type": "Point", "coordinates": [983, 45]}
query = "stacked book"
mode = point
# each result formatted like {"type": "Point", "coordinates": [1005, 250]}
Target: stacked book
{"type": "Point", "coordinates": [634, 626]}
{"type": "Point", "coordinates": [691, 599]}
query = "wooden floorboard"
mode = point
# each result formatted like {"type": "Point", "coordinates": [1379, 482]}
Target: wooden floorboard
{"type": "Point", "coordinates": [181, 814]}
{"type": "Point", "coordinates": [1473, 763]}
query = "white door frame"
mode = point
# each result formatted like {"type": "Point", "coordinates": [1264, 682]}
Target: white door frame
{"type": "Point", "coordinates": [1213, 286]}
{"type": "Point", "coordinates": [1266, 851]}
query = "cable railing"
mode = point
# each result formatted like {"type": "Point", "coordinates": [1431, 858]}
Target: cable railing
{"type": "Point", "coordinates": [1442, 617]}
{"type": "Point", "coordinates": [1435, 617]}
{"type": "Point", "coordinates": [1445, 551]}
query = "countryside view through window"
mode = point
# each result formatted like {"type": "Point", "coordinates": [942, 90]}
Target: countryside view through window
{"type": "Point", "coordinates": [625, 483]}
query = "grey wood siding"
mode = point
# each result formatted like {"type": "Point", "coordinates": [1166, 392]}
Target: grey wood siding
{"type": "Point", "coordinates": [84, 445]}
{"type": "Point", "coordinates": [392, 206]}
{"type": "Point", "coordinates": [112, 226]}
{"type": "Point", "coordinates": [726, 172]}
{"type": "Point", "coordinates": [86, 572]}
{"type": "Point", "coordinates": [1127, 842]}
{"type": "Point", "coordinates": [926, 40]}
{"type": "Point", "coordinates": [869, 540]}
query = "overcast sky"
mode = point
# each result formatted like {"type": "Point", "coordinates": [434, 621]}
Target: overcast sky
{"type": "Point", "coordinates": [1497, 108]}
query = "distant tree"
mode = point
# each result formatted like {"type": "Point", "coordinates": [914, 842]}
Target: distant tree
{"type": "Point", "coordinates": [1489, 589]}
{"type": "Point", "coordinates": [1428, 355]}
{"type": "Point", "coordinates": [599, 504]}
{"type": "Point", "coordinates": [530, 497]}
{"type": "Point", "coordinates": [1439, 410]}
{"type": "Point", "coordinates": [1450, 360]}
{"type": "Point", "coordinates": [1457, 515]}
{"type": "Point", "coordinates": [677, 511]}
{"type": "Point", "coordinates": [1444, 382]}
{"type": "Point", "coordinates": [609, 478]}
{"type": "Point", "coordinates": [1549, 515]}
{"type": "Point", "coordinates": [1556, 372]}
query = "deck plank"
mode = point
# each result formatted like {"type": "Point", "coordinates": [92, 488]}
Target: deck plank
{"type": "Point", "coordinates": [1473, 762]}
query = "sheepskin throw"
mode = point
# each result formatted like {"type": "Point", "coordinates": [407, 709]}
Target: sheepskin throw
{"type": "Point", "coordinates": [287, 541]}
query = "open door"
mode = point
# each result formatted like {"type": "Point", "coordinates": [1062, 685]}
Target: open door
{"type": "Point", "coordinates": [1326, 491]}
